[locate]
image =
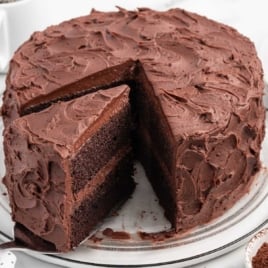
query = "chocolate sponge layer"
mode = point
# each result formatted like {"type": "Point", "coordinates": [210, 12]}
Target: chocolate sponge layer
{"type": "Point", "coordinates": [117, 187]}
{"type": "Point", "coordinates": [101, 147]}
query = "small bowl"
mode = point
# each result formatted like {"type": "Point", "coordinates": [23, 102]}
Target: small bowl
{"type": "Point", "coordinates": [254, 245]}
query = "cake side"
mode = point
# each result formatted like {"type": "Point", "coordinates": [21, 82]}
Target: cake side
{"type": "Point", "coordinates": [215, 171]}
{"type": "Point", "coordinates": [36, 183]}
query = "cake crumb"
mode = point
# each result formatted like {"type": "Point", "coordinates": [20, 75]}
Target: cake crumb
{"type": "Point", "coordinates": [121, 235]}
{"type": "Point", "coordinates": [115, 214]}
{"type": "Point", "coordinates": [95, 239]}
{"type": "Point", "coordinates": [158, 236]}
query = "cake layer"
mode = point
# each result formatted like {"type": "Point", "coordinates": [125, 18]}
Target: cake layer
{"type": "Point", "coordinates": [97, 146]}
{"type": "Point", "coordinates": [158, 174]}
{"type": "Point", "coordinates": [151, 117]}
{"type": "Point", "coordinates": [115, 187]}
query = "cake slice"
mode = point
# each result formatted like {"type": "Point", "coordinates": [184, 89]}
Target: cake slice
{"type": "Point", "coordinates": [69, 165]}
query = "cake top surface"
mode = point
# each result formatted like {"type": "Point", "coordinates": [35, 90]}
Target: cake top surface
{"type": "Point", "coordinates": [63, 124]}
{"type": "Point", "coordinates": [199, 69]}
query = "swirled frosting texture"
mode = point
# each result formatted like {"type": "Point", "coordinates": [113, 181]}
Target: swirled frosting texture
{"type": "Point", "coordinates": [66, 122]}
{"type": "Point", "coordinates": [205, 77]}
{"type": "Point", "coordinates": [181, 54]}
{"type": "Point", "coordinates": [35, 179]}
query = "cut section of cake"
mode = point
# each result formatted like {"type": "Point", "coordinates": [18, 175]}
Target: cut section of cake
{"type": "Point", "coordinates": [69, 165]}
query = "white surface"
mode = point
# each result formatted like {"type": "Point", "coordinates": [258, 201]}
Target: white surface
{"type": "Point", "coordinates": [248, 16]}
{"type": "Point", "coordinates": [7, 259]}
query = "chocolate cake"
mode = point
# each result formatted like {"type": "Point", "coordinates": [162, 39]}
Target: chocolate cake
{"type": "Point", "coordinates": [196, 106]}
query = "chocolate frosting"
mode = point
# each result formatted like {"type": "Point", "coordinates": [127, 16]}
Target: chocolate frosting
{"type": "Point", "coordinates": [182, 54]}
{"type": "Point", "coordinates": [66, 122]}
{"type": "Point", "coordinates": [205, 76]}
{"type": "Point", "coordinates": [260, 260]}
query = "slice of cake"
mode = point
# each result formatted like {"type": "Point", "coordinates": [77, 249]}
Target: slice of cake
{"type": "Point", "coordinates": [69, 165]}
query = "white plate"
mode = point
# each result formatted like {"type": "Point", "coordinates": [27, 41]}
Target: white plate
{"type": "Point", "coordinates": [142, 213]}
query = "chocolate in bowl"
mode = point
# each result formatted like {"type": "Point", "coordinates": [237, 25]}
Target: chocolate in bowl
{"type": "Point", "coordinates": [256, 254]}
